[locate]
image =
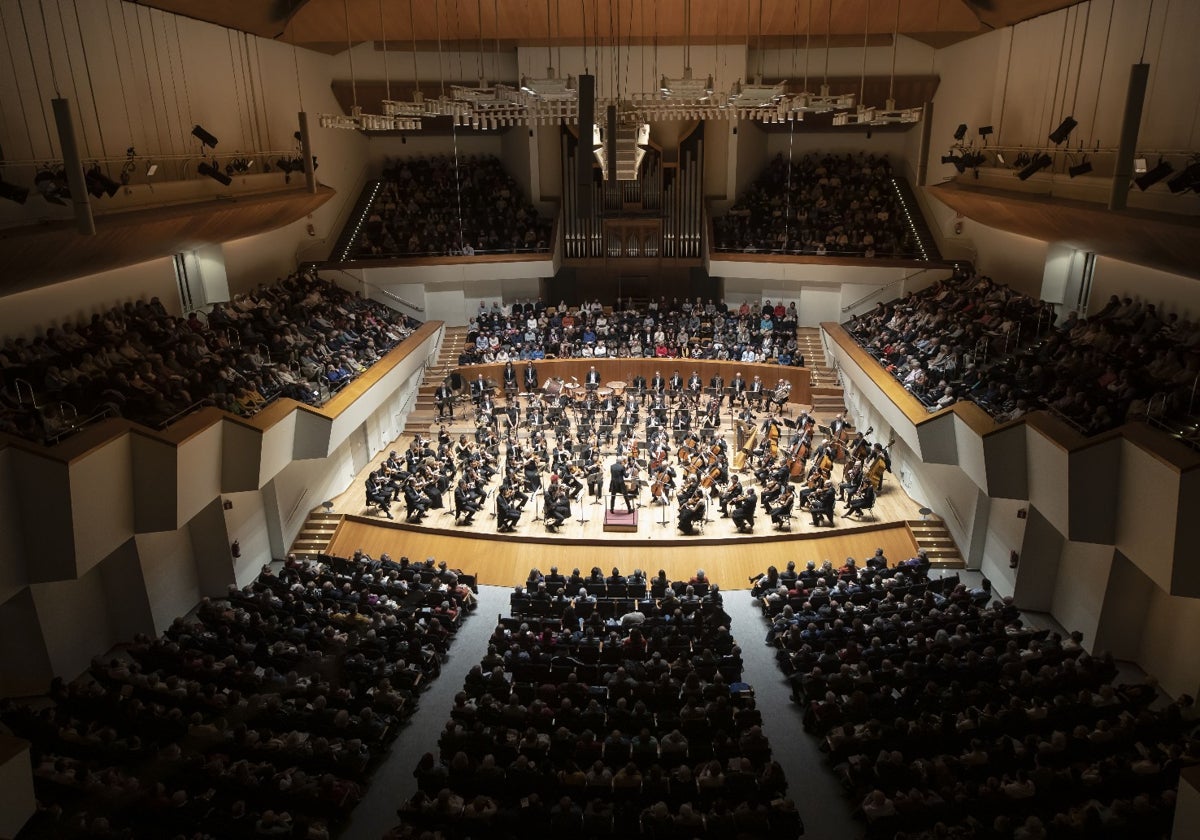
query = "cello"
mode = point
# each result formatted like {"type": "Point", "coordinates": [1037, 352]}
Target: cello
{"type": "Point", "coordinates": [799, 455]}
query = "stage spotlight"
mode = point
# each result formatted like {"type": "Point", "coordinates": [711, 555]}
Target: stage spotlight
{"type": "Point", "coordinates": [1000, 158]}
{"type": "Point", "coordinates": [1036, 165]}
{"type": "Point", "coordinates": [960, 132]}
{"type": "Point", "coordinates": [151, 169]}
{"type": "Point", "coordinates": [11, 192]}
{"type": "Point", "coordinates": [1060, 134]}
{"type": "Point", "coordinates": [974, 160]}
{"type": "Point", "coordinates": [1082, 168]}
{"type": "Point", "coordinates": [99, 184]}
{"type": "Point", "coordinates": [951, 159]}
{"type": "Point", "coordinates": [1139, 166]}
{"type": "Point", "coordinates": [238, 166]}
{"type": "Point", "coordinates": [1185, 180]}
{"type": "Point", "coordinates": [985, 131]}
{"type": "Point", "coordinates": [52, 186]}
{"type": "Point", "coordinates": [205, 168]}
{"type": "Point", "coordinates": [1146, 181]}
{"type": "Point", "coordinates": [204, 137]}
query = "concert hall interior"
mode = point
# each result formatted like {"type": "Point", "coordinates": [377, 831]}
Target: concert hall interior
{"type": "Point", "coordinates": [690, 418]}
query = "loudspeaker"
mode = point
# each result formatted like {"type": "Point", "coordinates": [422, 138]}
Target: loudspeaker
{"type": "Point", "coordinates": [611, 142]}
{"type": "Point", "coordinates": [583, 156]}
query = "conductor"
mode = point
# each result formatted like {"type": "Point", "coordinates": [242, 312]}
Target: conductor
{"type": "Point", "coordinates": [617, 486]}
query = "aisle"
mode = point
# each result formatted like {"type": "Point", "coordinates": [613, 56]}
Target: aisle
{"type": "Point", "coordinates": [819, 798]}
{"type": "Point", "coordinates": [393, 782]}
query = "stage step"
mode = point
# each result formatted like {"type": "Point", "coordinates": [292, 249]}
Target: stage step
{"type": "Point", "coordinates": [933, 536]}
{"type": "Point", "coordinates": [316, 532]}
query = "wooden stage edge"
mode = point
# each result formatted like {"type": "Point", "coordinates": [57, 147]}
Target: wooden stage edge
{"type": "Point", "coordinates": [501, 560]}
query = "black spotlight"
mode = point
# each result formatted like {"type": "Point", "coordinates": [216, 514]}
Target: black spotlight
{"type": "Point", "coordinates": [11, 192]}
{"type": "Point", "coordinates": [1081, 168]}
{"type": "Point", "coordinates": [204, 137]}
{"type": "Point", "coordinates": [960, 132]}
{"type": "Point", "coordinates": [985, 131]}
{"type": "Point", "coordinates": [1038, 163]}
{"type": "Point", "coordinates": [1145, 182]}
{"type": "Point", "coordinates": [205, 168]}
{"type": "Point", "coordinates": [1185, 180]}
{"type": "Point", "coordinates": [238, 166]}
{"type": "Point", "coordinates": [1060, 134]}
{"type": "Point", "coordinates": [52, 185]}
{"type": "Point", "coordinates": [99, 184]}
{"type": "Point", "coordinates": [974, 160]}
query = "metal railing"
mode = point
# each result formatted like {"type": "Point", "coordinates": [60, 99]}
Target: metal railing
{"type": "Point", "coordinates": [874, 292]}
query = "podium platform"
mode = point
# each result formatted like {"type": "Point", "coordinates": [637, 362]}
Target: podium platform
{"type": "Point", "coordinates": [621, 520]}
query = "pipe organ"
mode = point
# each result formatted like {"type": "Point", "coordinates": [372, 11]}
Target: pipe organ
{"type": "Point", "coordinates": [659, 214]}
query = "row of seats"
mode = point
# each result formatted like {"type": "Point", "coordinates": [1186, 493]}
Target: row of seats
{"type": "Point", "coordinates": [263, 714]}
{"type": "Point", "coordinates": [943, 715]}
{"type": "Point", "coordinates": [302, 338]}
{"type": "Point", "coordinates": [637, 723]}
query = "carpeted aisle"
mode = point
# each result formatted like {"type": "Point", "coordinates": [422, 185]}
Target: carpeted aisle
{"type": "Point", "coordinates": [393, 782]}
{"type": "Point", "coordinates": [819, 798]}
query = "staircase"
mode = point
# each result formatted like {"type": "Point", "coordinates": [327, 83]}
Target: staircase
{"type": "Point", "coordinates": [827, 396]}
{"type": "Point", "coordinates": [931, 535]}
{"type": "Point", "coordinates": [354, 222]}
{"type": "Point", "coordinates": [424, 414]}
{"type": "Point", "coordinates": [316, 533]}
{"type": "Point", "coordinates": [916, 221]}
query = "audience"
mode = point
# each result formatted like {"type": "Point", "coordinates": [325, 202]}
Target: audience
{"type": "Point", "coordinates": [759, 332]}
{"type": "Point", "coordinates": [302, 338]}
{"type": "Point", "coordinates": [822, 205]}
{"type": "Point", "coordinates": [577, 721]}
{"type": "Point", "coordinates": [262, 715]}
{"type": "Point", "coordinates": [969, 337]}
{"type": "Point", "coordinates": [446, 205]}
{"type": "Point", "coordinates": [944, 716]}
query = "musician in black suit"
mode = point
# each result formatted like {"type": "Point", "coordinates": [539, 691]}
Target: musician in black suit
{"type": "Point", "coordinates": [717, 383]}
{"type": "Point", "coordinates": [695, 383]}
{"type": "Point", "coordinates": [822, 504]}
{"type": "Point", "coordinates": [738, 386]}
{"type": "Point", "coordinates": [658, 383]}
{"type": "Point", "coordinates": [594, 475]}
{"type": "Point", "coordinates": [783, 506]}
{"type": "Point", "coordinates": [741, 510]}
{"type": "Point", "coordinates": [860, 501]}
{"type": "Point", "coordinates": [530, 377]}
{"type": "Point", "coordinates": [591, 379]}
{"type": "Point", "coordinates": [378, 492]}
{"type": "Point", "coordinates": [617, 486]}
{"type": "Point", "coordinates": [507, 510]}
{"type": "Point", "coordinates": [675, 383]}
{"type": "Point", "coordinates": [510, 378]}
{"type": "Point", "coordinates": [557, 507]}
{"type": "Point", "coordinates": [444, 398]}
{"type": "Point", "coordinates": [478, 388]}
{"type": "Point", "coordinates": [755, 392]}
{"type": "Point", "coordinates": [465, 502]}
{"type": "Point", "coordinates": [637, 385]}
{"type": "Point", "coordinates": [691, 511]}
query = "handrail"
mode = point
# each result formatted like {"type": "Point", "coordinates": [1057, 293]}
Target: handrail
{"type": "Point", "coordinates": [379, 289]}
{"type": "Point", "coordinates": [874, 292]}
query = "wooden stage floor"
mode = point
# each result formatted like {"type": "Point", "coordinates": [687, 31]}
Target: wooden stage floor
{"type": "Point", "coordinates": [505, 559]}
{"type": "Point", "coordinates": [729, 556]}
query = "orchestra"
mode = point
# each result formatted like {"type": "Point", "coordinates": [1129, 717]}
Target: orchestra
{"type": "Point", "coordinates": [662, 435]}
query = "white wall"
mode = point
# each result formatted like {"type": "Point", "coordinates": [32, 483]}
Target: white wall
{"type": "Point", "coordinates": [169, 569]}
{"type": "Point", "coordinates": [1168, 292]}
{"type": "Point", "coordinates": [246, 522]}
{"type": "Point", "coordinates": [29, 313]}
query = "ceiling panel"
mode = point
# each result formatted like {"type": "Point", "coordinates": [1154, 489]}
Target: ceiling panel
{"type": "Point", "coordinates": [327, 25]}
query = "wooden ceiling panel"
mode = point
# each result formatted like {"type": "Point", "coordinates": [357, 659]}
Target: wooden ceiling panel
{"type": "Point", "coordinates": [1158, 240]}
{"type": "Point", "coordinates": [43, 254]}
{"type": "Point", "coordinates": [322, 24]}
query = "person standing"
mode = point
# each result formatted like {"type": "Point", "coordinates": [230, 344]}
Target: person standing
{"type": "Point", "coordinates": [617, 486]}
